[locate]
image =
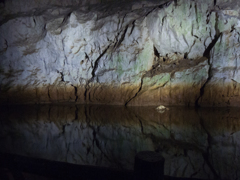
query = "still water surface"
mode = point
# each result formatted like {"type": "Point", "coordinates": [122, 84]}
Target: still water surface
{"type": "Point", "coordinates": [198, 143]}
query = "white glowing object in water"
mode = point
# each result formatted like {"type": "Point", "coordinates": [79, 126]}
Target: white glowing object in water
{"type": "Point", "coordinates": [161, 109]}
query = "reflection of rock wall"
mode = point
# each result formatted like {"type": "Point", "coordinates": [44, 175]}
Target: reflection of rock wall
{"type": "Point", "coordinates": [195, 143]}
{"type": "Point", "coordinates": [135, 53]}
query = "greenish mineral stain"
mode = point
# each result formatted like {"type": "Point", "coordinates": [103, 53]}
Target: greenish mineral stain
{"type": "Point", "coordinates": [143, 58]}
{"type": "Point", "coordinates": [157, 80]}
{"type": "Point", "coordinates": [137, 67]}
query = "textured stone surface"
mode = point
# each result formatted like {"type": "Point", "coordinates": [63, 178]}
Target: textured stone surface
{"type": "Point", "coordinates": [198, 143]}
{"type": "Point", "coordinates": [136, 53]}
{"type": "Point", "coordinates": [225, 72]}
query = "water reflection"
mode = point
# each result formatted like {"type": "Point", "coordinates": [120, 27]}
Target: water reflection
{"type": "Point", "coordinates": [198, 143]}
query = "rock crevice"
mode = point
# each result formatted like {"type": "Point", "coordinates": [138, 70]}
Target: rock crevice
{"type": "Point", "coordinates": [135, 53]}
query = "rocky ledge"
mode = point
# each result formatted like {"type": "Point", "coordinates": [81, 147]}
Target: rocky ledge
{"type": "Point", "coordinates": [182, 52]}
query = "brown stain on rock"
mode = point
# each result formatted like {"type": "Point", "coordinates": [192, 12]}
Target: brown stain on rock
{"type": "Point", "coordinates": [227, 94]}
{"type": "Point", "coordinates": [170, 94]}
{"type": "Point", "coordinates": [111, 94]}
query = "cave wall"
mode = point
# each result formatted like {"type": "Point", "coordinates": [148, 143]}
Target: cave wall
{"type": "Point", "coordinates": [182, 52]}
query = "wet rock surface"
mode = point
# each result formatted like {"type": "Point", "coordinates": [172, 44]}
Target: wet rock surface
{"type": "Point", "coordinates": [198, 143]}
{"type": "Point", "coordinates": [125, 53]}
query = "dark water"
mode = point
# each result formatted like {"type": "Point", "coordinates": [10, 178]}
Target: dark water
{"type": "Point", "coordinates": [198, 143]}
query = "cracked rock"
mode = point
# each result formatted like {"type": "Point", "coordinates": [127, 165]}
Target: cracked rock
{"type": "Point", "coordinates": [125, 53]}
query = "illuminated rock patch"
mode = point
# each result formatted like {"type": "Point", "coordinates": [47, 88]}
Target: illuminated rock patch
{"type": "Point", "coordinates": [135, 53]}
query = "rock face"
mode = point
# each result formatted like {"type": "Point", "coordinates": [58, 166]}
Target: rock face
{"type": "Point", "coordinates": [136, 53]}
{"type": "Point", "coordinates": [202, 143]}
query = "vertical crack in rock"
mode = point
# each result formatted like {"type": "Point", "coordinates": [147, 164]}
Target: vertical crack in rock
{"type": "Point", "coordinates": [63, 128]}
{"type": "Point", "coordinates": [156, 53]}
{"type": "Point", "coordinates": [62, 76]}
{"type": "Point", "coordinates": [206, 153]}
{"type": "Point", "coordinates": [207, 54]}
{"type": "Point", "coordinates": [133, 26]}
{"type": "Point", "coordinates": [45, 64]}
{"type": "Point", "coordinates": [196, 12]}
{"type": "Point", "coordinates": [163, 19]}
{"type": "Point", "coordinates": [140, 88]}
{"type": "Point", "coordinates": [34, 21]}
{"type": "Point", "coordinates": [185, 40]}
{"type": "Point", "coordinates": [86, 91]}
{"type": "Point", "coordinates": [76, 92]}
{"type": "Point", "coordinates": [49, 97]}
{"type": "Point", "coordinates": [133, 22]}
{"type": "Point", "coordinates": [123, 20]}
{"type": "Point", "coordinates": [63, 44]}
{"type": "Point", "coordinates": [97, 61]}
{"type": "Point", "coordinates": [186, 54]}
{"type": "Point", "coordinates": [118, 42]}
{"type": "Point", "coordinates": [236, 64]}
{"type": "Point", "coordinates": [95, 66]}
{"type": "Point", "coordinates": [203, 86]}
{"type": "Point", "coordinates": [235, 83]}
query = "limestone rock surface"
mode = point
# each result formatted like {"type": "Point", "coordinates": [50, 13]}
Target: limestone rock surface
{"type": "Point", "coordinates": [127, 53]}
